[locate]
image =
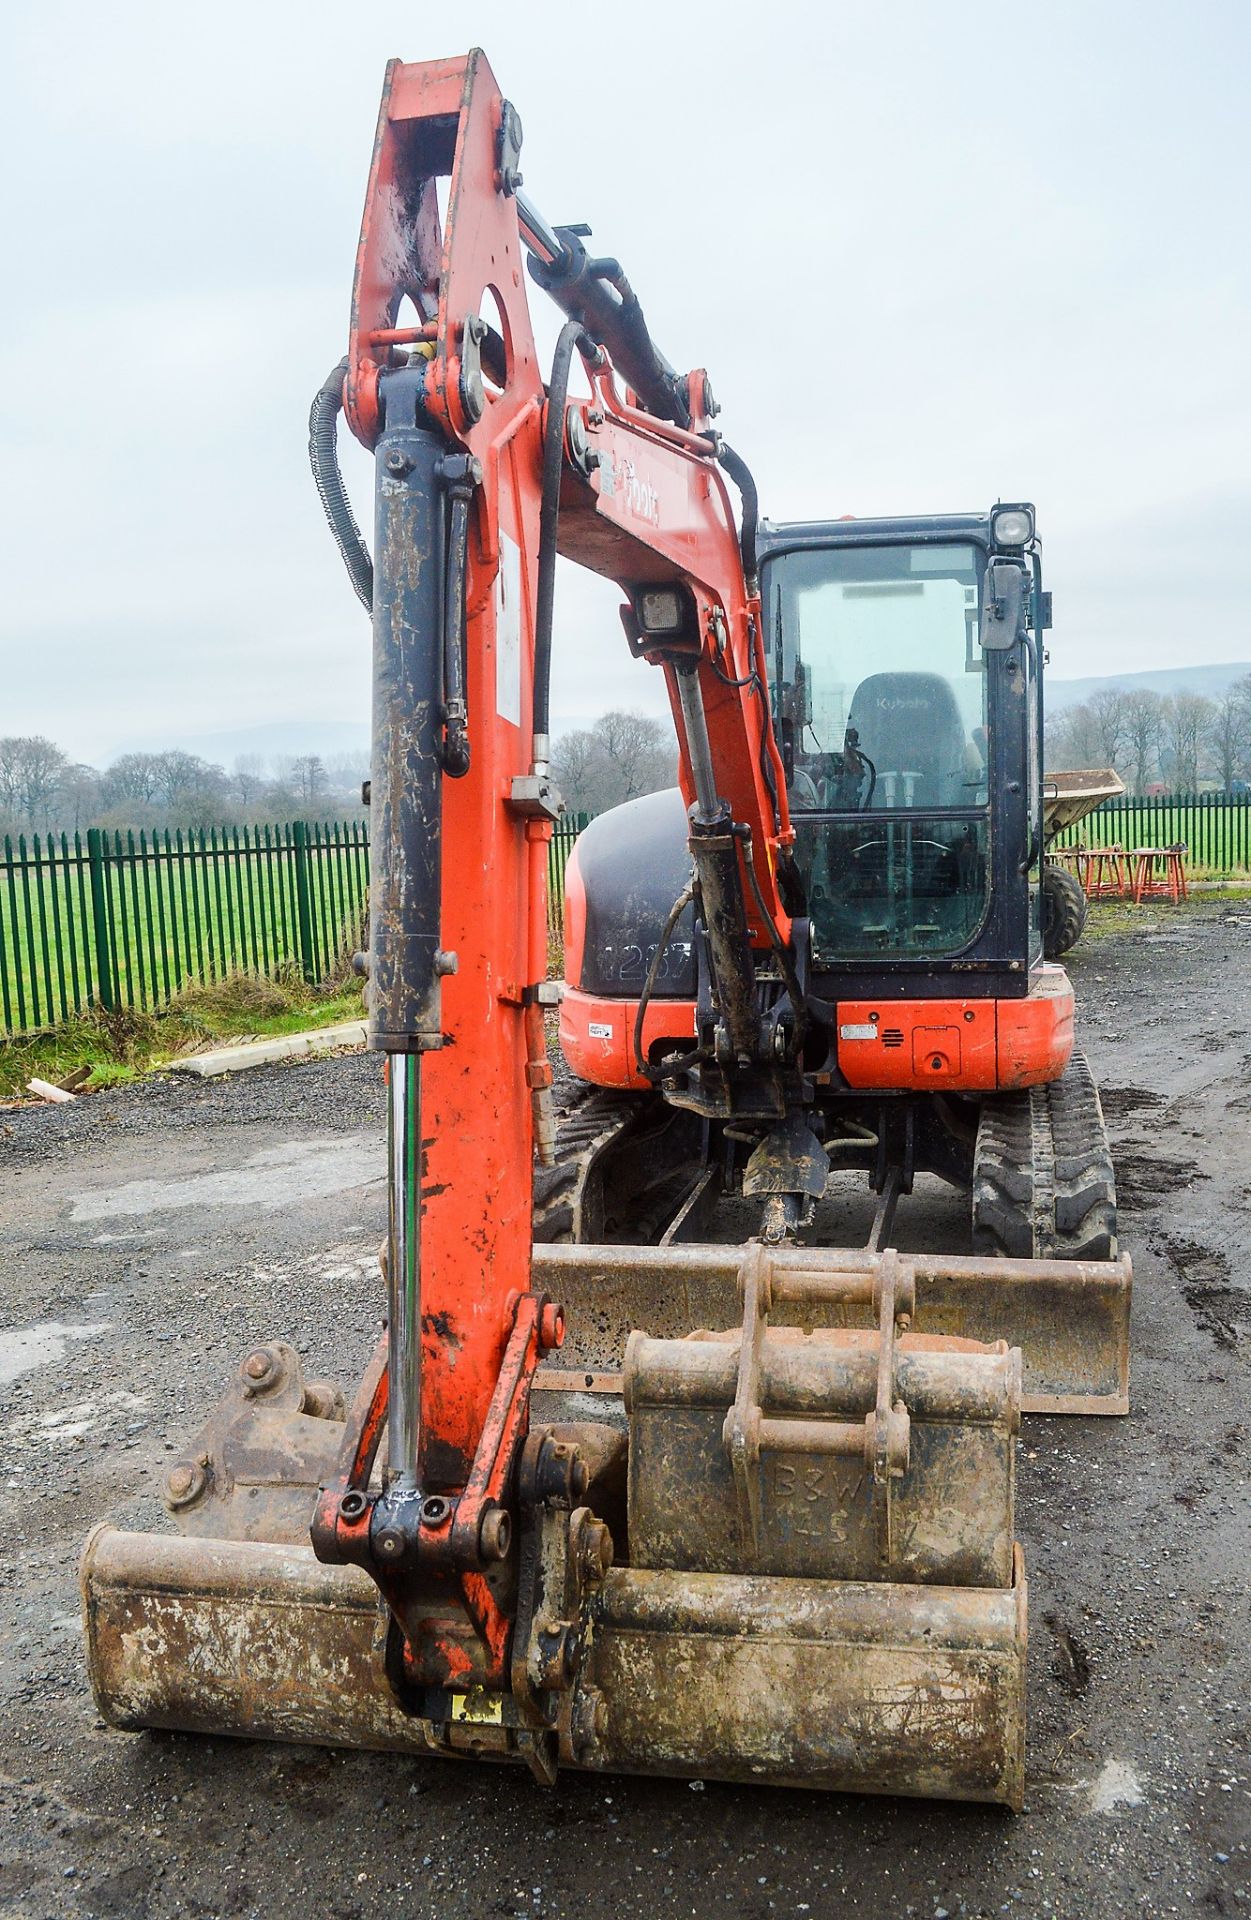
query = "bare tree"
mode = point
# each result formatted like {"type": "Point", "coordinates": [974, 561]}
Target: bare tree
{"type": "Point", "coordinates": [1108, 712]}
{"type": "Point", "coordinates": [10, 774]}
{"type": "Point", "coordinates": [622, 756]}
{"type": "Point", "coordinates": [573, 760]}
{"type": "Point", "coordinates": [248, 778]}
{"type": "Point", "coordinates": [31, 767]}
{"type": "Point", "coordinates": [638, 748]}
{"type": "Point", "coordinates": [1187, 725]}
{"type": "Point", "coordinates": [309, 775]}
{"type": "Point", "coordinates": [1073, 738]}
{"type": "Point", "coordinates": [1231, 733]}
{"type": "Point", "coordinates": [344, 770]}
{"type": "Point", "coordinates": [1143, 722]}
{"type": "Point", "coordinates": [78, 798]}
{"type": "Point", "coordinates": [182, 774]}
{"type": "Point", "coordinates": [134, 777]}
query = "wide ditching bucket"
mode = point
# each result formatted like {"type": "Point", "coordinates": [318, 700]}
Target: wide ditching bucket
{"type": "Point", "coordinates": [812, 1577]}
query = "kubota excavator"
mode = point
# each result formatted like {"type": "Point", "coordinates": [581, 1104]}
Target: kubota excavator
{"type": "Point", "coordinates": [561, 1522]}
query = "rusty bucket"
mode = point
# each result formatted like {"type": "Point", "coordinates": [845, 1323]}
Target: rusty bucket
{"type": "Point", "coordinates": [816, 1581]}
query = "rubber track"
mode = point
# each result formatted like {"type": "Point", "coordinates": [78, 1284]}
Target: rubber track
{"type": "Point", "coordinates": [1043, 1182]}
{"type": "Point", "coordinates": [579, 1137]}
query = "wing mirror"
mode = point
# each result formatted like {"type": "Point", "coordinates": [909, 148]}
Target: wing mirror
{"type": "Point", "coordinates": [1003, 605]}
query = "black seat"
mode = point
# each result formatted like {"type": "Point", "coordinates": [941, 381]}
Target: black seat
{"type": "Point", "coordinates": [910, 723]}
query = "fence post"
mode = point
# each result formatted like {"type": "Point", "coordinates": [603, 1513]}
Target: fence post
{"type": "Point", "coordinates": [100, 917]}
{"type": "Point", "coordinates": [304, 904]}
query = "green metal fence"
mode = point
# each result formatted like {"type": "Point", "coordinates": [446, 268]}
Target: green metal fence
{"type": "Point", "coordinates": [1214, 828]}
{"type": "Point", "coordinates": [108, 919]}
{"type": "Point", "coordinates": [568, 827]}
{"type": "Point", "coordinates": [125, 920]}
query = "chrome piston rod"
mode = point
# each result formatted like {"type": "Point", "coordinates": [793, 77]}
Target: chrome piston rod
{"type": "Point", "coordinates": [403, 1271]}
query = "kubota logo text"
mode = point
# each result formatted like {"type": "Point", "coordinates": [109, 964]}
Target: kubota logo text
{"type": "Point", "coordinates": [641, 497]}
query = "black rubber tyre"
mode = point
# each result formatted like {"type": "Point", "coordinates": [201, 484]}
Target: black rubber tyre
{"type": "Point", "coordinates": [1043, 1183]}
{"type": "Point", "coordinates": [1064, 909]}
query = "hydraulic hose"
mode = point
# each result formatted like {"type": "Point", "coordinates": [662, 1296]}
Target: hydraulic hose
{"type": "Point", "coordinates": [323, 455]}
{"type": "Point", "coordinates": [572, 335]}
{"type": "Point", "coordinates": [455, 754]}
{"type": "Point", "coordinates": [740, 474]}
{"type": "Point", "coordinates": [676, 911]}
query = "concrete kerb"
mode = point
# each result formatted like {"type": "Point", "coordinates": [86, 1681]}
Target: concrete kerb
{"type": "Point", "coordinates": [262, 1053]}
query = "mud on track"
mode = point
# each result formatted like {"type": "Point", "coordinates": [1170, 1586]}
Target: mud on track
{"type": "Point", "coordinates": [148, 1236]}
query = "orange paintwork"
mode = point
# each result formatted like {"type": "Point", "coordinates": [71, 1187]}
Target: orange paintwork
{"type": "Point", "coordinates": [1036, 1034]}
{"type": "Point", "coordinates": [597, 1035]}
{"type": "Point", "coordinates": [475, 1100]}
{"type": "Point", "coordinates": [917, 1043]}
{"type": "Point", "coordinates": [574, 915]}
{"type": "Point", "coordinates": [655, 507]}
{"type": "Point", "coordinates": [971, 1046]}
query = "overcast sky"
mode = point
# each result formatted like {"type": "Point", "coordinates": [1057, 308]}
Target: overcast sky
{"type": "Point", "coordinates": [932, 254]}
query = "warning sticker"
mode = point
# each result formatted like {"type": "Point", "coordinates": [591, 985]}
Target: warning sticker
{"type": "Point", "coordinates": [508, 632]}
{"type": "Point", "coordinates": [599, 1030]}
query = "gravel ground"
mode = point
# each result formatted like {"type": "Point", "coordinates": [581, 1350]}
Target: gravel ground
{"type": "Point", "coordinates": [148, 1236]}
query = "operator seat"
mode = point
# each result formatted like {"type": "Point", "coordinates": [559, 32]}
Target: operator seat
{"type": "Point", "coordinates": [910, 723]}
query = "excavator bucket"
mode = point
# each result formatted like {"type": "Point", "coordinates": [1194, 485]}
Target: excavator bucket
{"type": "Point", "coordinates": [816, 1581]}
{"type": "Point", "coordinates": [1070, 1318]}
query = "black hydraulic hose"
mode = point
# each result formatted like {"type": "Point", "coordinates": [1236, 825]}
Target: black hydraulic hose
{"type": "Point", "coordinates": [740, 474]}
{"type": "Point", "coordinates": [572, 335]}
{"type": "Point", "coordinates": [323, 455]}
{"type": "Point", "coordinates": [676, 911]}
{"type": "Point", "coordinates": [455, 750]}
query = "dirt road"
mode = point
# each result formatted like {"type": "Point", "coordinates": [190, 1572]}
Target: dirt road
{"type": "Point", "coordinates": [147, 1237]}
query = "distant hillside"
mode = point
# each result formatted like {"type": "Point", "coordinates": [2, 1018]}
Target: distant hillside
{"type": "Point", "coordinates": [278, 740]}
{"type": "Point", "coordinates": [1210, 680]}
{"type": "Point", "coordinates": [292, 738]}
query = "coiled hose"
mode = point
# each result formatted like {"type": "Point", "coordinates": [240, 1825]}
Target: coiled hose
{"type": "Point", "coordinates": [323, 456]}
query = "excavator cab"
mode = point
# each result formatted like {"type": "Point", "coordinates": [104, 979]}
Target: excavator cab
{"type": "Point", "coordinates": [883, 699]}
{"type": "Point", "coordinates": [630, 1483]}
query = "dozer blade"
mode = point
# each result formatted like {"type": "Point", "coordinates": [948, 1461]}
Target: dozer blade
{"type": "Point", "coordinates": [1070, 1318]}
{"type": "Point", "coordinates": [882, 1689]}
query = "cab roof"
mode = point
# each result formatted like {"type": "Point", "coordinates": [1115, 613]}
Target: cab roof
{"type": "Point", "coordinates": [779, 536]}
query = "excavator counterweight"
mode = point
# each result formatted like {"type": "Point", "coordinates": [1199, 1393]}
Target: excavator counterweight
{"type": "Point", "coordinates": [643, 1502]}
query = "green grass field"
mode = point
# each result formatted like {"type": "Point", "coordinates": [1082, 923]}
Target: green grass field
{"type": "Point", "coordinates": [159, 917]}
{"type": "Point", "coordinates": [110, 1048]}
{"type": "Point", "coordinates": [132, 919]}
{"type": "Point", "coordinates": [1216, 834]}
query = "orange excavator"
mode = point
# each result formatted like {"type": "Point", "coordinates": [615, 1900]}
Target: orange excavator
{"type": "Point", "coordinates": [561, 1522]}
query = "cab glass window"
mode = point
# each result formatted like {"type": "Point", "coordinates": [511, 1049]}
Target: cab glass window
{"type": "Point", "coordinates": [879, 687]}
